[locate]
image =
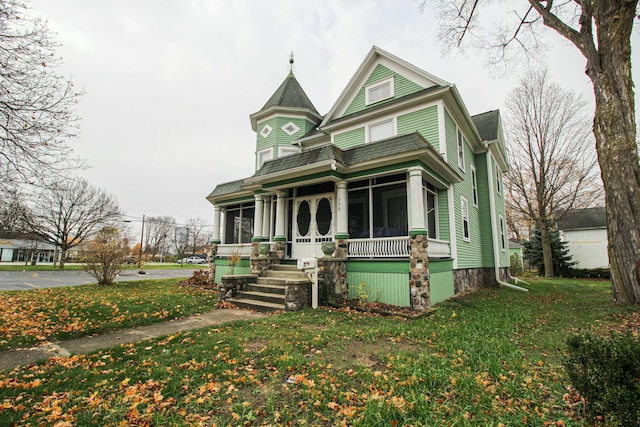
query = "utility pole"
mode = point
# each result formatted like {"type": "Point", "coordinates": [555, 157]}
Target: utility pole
{"type": "Point", "coordinates": [141, 242]}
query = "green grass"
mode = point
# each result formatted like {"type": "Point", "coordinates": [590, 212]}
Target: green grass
{"type": "Point", "coordinates": [34, 316]}
{"type": "Point", "coordinates": [75, 266]}
{"type": "Point", "coordinates": [491, 359]}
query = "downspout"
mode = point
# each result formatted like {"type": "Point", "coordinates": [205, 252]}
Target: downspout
{"type": "Point", "coordinates": [494, 229]}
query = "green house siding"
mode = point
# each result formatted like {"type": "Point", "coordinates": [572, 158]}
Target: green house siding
{"type": "Point", "coordinates": [223, 268]}
{"type": "Point", "coordinates": [441, 279]}
{"type": "Point", "coordinates": [486, 229]}
{"type": "Point", "coordinates": [401, 86]}
{"type": "Point", "coordinates": [279, 137]}
{"type": "Point", "coordinates": [469, 252]}
{"type": "Point", "coordinates": [382, 281]}
{"type": "Point", "coordinates": [500, 211]}
{"type": "Point", "coordinates": [451, 137]}
{"type": "Point", "coordinates": [424, 121]}
{"type": "Point", "coordinates": [349, 139]}
{"type": "Point", "coordinates": [444, 229]}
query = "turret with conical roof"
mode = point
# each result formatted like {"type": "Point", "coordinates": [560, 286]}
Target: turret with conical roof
{"type": "Point", "coordinates": [287, 116]}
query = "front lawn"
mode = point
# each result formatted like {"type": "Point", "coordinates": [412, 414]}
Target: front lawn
{"type": "Point", "coordinates": [19, 266]}
{"type": "Point", "coordinates": [492, 359]}
{"type": "Point", "coordinates": [34, 316]}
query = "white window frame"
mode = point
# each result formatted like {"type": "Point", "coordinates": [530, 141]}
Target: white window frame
{"type": "Point", "coordinates": [460, 145]}
{"type": "Point", "coordinates": [287, 151]}
{"type": "Point", "coordinates": [464, 213]}
{"type": "Point", "coordinates": [379, 83]}
{"type": "Point", "coordinates": [503, 234]}
{"type": "Point", "coordinates": [474, 185]}
{"type": "Point", "coordinates": [266, 130]}
{"type": "Point", "coordinates": [372, 125]}
{"type": "Point", "coordinates": [290, 132]}
{"type": "Point", "coordinates": [426, 190]}
{"type": "Point", "coordinates": [498, 181]}
{"type": "Point", "coordinates": [262, 156]}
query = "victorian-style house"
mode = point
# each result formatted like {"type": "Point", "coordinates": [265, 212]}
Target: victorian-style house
{"type": "Point", "coordinates": [398, 174]}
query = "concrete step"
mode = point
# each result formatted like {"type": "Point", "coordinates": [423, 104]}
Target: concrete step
{"type": "Point", "coordinates": [249, 304]}
{"type": "Point", "coordinates": [287, 274]}
{"type": "Point", "coordinates": [281, 281]}
{"type": "Point", "coordinates": [284, 267]}
{"type": "Point", "coordinates": [261, 296]}
{"type": "Point", "coordinates": [272, 289]}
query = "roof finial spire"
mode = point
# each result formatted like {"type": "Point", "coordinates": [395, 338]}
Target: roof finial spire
{"type": "Point", "coordinates": [291, 62]}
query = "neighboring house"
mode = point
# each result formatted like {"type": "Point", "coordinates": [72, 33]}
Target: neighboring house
{"type": "Point", "coordinates": [585, 231]}
{"type": "Point", "coordinates": [22, 247]}
{"type": "Point", "coordinates": [397, 173]}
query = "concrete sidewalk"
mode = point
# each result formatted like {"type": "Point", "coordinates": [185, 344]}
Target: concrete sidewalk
{"type": "Point", "coordinates": [13, 358]}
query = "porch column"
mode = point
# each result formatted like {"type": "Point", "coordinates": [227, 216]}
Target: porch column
{"type": "Point", "coordinates": [266, 223]}
{"type": "Point", "coordinates": [342, 207]}
{"type": "Point", "coordinates": [416, 202]}
{"type": "Point", "coordinates": [280, 216]}
{"type": "Point", "coordinates": [342, 220]}
{"type": "Point", "coordinates": [257, 219]}
{"type": "Point", "coordinates": [216, 224]}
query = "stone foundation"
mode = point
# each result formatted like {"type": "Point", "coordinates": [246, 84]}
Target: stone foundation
{"type": "Point", "coordinates": [262, 263]}
{"type": "Point", "coordinates": [297, 297]}
{"type": "Point", "coordinates": [230, 285]}
{"type": "Point", "coordinates": [467, 281]}
{"type": "Point", "coordinates": [211, 253]}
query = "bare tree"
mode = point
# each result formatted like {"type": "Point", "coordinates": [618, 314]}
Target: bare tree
{"type": "Point", "coordinates": [36, 103]}
{"type": "Point", "coordinates": [199, 234]}
{"type": "Point", "coordinates": [68, 213]}
{"type": "Point", "coordinates": [158, 229]}
{"type": "Point", "coordinates": [601, 32]}
{"type": "Point", "coordinates": [554, 168]}
{"type": "Point", "coordinates": [103, 256]}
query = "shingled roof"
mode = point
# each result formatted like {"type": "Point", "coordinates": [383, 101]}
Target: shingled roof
{"type": "Point", "coordinates": [583, 218]}
{"type": "Point", "coordinates": [487, 124]}
{"type": "Point", "coordinates": [290, 94]}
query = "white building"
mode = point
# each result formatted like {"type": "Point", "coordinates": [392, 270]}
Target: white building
{"type": "Point", "coordinates": [585, 231]}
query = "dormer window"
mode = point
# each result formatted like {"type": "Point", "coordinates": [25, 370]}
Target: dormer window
{"type": "Point", "coordinates": [290, 128]}
{"type": "Point", "coordinates": [379, 91]}
{"type": "Point", "coordinates": [266, 130]}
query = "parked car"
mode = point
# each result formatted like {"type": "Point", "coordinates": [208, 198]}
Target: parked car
{"type": "Point", "coordinates": [192, 260]}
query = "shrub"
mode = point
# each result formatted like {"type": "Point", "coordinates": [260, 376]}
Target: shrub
{"type": "Point", "coordinates": [606, 372]}
{"type": "Point", "coordinates": [588, 273]}
{"type": "Point", "coordinates": [104, 255]}
{"type": "Point", "coordinates": [515, 264]}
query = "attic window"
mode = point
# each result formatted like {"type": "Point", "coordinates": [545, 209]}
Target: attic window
{"type": "Point", "coordinates": [290, 128]}
{"type": "Point", "coordinates": [266, 130]}
{"type": "Point", "coordinates": [379, 91]}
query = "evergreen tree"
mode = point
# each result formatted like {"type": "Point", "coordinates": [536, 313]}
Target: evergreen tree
{"type": "Point", "coordinates": [561, 259]}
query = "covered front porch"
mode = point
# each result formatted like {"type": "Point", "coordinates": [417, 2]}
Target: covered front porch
{"type": "Point", "coordinates": [370, 213]}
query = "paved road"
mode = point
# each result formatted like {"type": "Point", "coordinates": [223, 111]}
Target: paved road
{"type": "Point", "coordinates": [20, 280]}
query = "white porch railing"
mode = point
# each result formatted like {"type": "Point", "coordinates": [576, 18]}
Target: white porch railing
{"type": "Point", "coordinates": [386, 247]}
{"type": "Point", "coordinates": [227, 250]}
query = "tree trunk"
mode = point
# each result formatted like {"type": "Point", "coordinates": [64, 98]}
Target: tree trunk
{"type": "Point", "coordinates": [63, 256]}
{"type": "Point", "coordinates": [615, 133]}
{"type": "Point", "coordinates": [547, 253]}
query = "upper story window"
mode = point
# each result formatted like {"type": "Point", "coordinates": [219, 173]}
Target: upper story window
{"type": "Point", "coordinates": [460, 150]}
{"type": "Point", "coordinates": [379, 91]}
{"type": "Point", "coordinates": [381, 130]}
{"type": "Point", "coordinates": [262, 156]}
{"type": "Point", "coordinates": [498, 180]}
{"type": "Point", "coordinates": [474, 185]}
{"type": "Point", "coordinates": [290, 128]}
{"type": "Point", "coordinates": [266, 130]}
{"type": "Point", "coordinates": [503, 239]}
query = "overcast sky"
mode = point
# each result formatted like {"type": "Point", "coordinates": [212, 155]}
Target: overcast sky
{"type": "Point", "coordinates": [170, 85]}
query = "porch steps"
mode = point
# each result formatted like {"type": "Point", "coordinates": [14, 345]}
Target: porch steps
{"type": "Point", "coordinates": [268, 293]}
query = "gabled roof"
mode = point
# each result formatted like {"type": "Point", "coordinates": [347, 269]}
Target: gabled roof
{"type": "Point", "coordinates": [487, 124]}
{"type": "Point", "coordinates": [290, 94]}
{"type": "Point", "coordinates": [374, 57]}
{"type": "Point", "coordinates": [583, 218]}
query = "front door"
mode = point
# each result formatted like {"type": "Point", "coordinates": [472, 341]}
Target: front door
{"type": "Point", "coordinates": [313, 224]}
